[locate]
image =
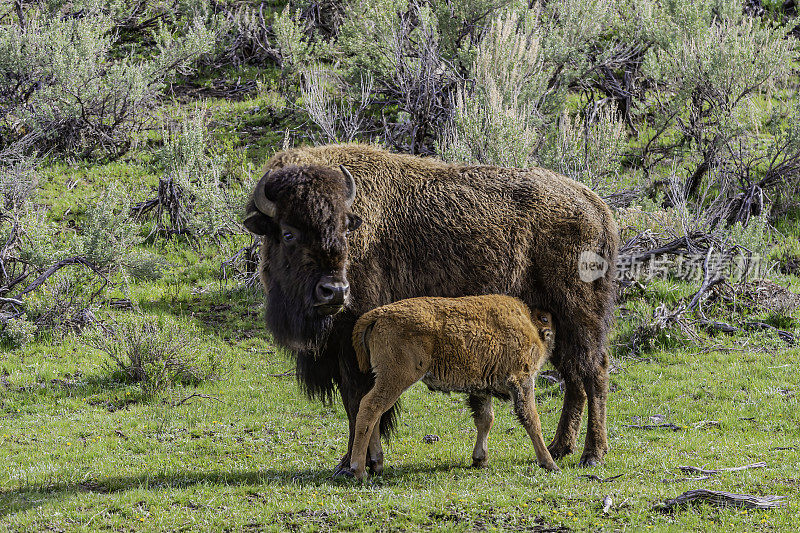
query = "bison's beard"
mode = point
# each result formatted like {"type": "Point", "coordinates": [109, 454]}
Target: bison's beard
{"type": "Point", "coordinates": [294, 322]}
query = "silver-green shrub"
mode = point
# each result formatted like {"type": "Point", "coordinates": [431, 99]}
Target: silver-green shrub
{"type": "Point", "coordinates": [196, 195]}
{"type": "Point", "coordinates": [499, 120]}
{"type": "Point", "coordinates": [589, 152]}
{"type": "Point", "coordinates": [156, 353]}
{"type": "Point", "coordinates": [63, 82]}
{"type": "Point", "coordinates": [52, 277]}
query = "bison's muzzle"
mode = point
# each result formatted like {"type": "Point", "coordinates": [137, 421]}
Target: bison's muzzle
{"type": "Point", "coordinates": [330, 295]}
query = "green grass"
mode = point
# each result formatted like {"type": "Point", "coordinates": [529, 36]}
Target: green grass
{"type": "Point", "coordinates": [82, 452]}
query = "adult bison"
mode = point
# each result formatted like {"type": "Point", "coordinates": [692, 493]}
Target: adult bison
{"type": "Point", "coordinates": [432, 229]}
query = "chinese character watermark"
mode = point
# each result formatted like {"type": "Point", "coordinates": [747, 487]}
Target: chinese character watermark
{"type": "Point", "coordinates": [689, 267]}
{"type": "Point", "coordinates": [686, 267]}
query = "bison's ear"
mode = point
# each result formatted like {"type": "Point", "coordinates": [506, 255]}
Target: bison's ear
{"type": "Point", "coordinates": [353, 222]}
{"type": "Point", "coordinates": [257, 223]}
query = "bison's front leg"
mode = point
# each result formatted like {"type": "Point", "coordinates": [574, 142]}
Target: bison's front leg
{"type": "Point", "coordinates": [350, 402]}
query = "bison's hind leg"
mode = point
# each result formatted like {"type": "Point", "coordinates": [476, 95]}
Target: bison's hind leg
{"type": "Point", "coordinates": [565, 439]}
{"type": "Point", "coordinates": [483, 414]}
{"type": "Point", "coordinates": [595, 383]}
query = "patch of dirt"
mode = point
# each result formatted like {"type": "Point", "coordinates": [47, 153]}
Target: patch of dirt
{"type": "Point", "coordinates": [93, 486]}
{"type": "Point", "coordinates": [300, 520]}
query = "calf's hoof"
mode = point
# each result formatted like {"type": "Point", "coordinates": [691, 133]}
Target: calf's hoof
{"type": "Point", "coordinates": [552, 467]}
{"type": "Point", "coordinates": [480, 462]}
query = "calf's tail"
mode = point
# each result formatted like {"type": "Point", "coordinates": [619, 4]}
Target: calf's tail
{"type": "Point", "coordinates": [361, 333]}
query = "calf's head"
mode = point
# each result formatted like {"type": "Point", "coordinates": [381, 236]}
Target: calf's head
{"type": "Point", "coordinates": [303, 215]}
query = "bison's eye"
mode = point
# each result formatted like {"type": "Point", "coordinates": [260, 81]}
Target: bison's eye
{"type": "Point", "coordinates": [288, 236]}
{"type": "Point", "coordinates": [353, 222]}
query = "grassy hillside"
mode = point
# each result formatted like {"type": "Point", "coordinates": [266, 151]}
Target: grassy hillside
{"type": "Point", "coordinates": [210, 431]}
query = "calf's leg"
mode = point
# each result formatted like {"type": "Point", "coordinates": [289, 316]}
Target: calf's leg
{"type": "Point", "coordinates": [375, 459]}
{"type": "Point", "coordinates": [525, 408]}
{"type": "Point", "coordinates": [376, 402]}
{"type": "Point", "coordinates": [483, 414]}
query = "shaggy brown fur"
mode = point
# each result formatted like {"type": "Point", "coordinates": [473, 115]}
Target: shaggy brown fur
{"type": "Point", "coordinates": [483, 346]}
{"type": "Point", "coordinates": [435, 229]}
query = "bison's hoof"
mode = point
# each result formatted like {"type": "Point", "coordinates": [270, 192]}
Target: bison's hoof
{"type": "Point", "coordinates": [588, 461]}
{"type": "Point", "coordinates": [558, 451]}
{"type": "Point", "coordinates": [344, 472]}
{"type": "Point", "coordinates": [551, 467]}
{"type": "Point", "coordinates": [375, 467]}
{"type": "Point", "coordinates": [344, 463]}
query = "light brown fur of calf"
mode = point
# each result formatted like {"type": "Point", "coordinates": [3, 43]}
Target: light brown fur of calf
{"type": "Point", "coordinates": [483, 346]}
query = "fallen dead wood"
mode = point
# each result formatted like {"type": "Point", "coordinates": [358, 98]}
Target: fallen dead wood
{"type": "Point", "coordinates": [196, 395]}
{"type": "Point", "coordinates": [58, 266]}
{"type": "Point", "coordinates": [599, 479]}
{"type": "Point", "coordinates": [730, 329]}
{"type": "Point", "coordinates": [688, 244]}
{"type": "Point", "coordinates": [721, 499]}
{"type": "Point", "coordinates": [696, 470]}
{"type": "Point", "coordinates": [707, 424]}
{"type": "Point", "coordinates": [288, 373]}
{"type": "Point", "coordinates": [673, 427]}
{"type": "Point", "coordinates": [607, 503]}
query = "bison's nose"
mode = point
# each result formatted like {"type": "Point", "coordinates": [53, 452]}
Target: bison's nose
{"type": "Point", "coordinates": [331, 292]}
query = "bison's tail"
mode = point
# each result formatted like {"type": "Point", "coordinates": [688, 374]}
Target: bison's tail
{"type": "Point", "coordinates": [361, 333]}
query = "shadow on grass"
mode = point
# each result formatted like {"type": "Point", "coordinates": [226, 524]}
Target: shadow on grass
{"type": "Point", "coordinates": [218, 311]}
{"type": "Point", "coordinates": [36, 495]}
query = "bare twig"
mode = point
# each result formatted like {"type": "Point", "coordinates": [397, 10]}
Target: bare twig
{"type": "Point", "coordinates": [58, 266]}
{"type": "Point", "coordinates": [607, 503]}
{"type": "Point", "coordinates": [684, 479]}
{"type": "Point", "coordinates": [696, 470]}
{"type": "Point", "coordinates": [593, 477]}
{"type": "Point", "coordinates": [196, 395]}
{"type": "Point", "coordinates": [673, 427]}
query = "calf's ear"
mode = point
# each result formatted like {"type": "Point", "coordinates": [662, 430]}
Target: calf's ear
{"type": "Point", "coordinates": [256, 223]}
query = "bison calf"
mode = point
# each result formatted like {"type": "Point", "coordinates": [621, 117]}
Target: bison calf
{"type": "Point", "coordinates": [483, 346]}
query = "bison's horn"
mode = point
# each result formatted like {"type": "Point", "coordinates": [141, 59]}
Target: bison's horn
{"type": "Point", "coordinates": [263, 204]}
{"type": "Point", "coordinates": [351, 186]}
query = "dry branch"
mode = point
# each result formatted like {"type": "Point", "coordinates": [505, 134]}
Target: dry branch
{"type": "Point", "coordinates": [785, 336]}
{"type": "Point", "coordinates": [673, 427]}
{"type": "Point", "coordinates": [685, 479]}
{"type": "Point", "coordinates": [196, 395]}
{"type": "Point", "coordinates": [696, 470]}
{"type": "Point", "coordinates": [58, 266]}
{"type": "Point", "coordinates": [721, 499]}
{"type": "Point", "coordinates": [599, 479]}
